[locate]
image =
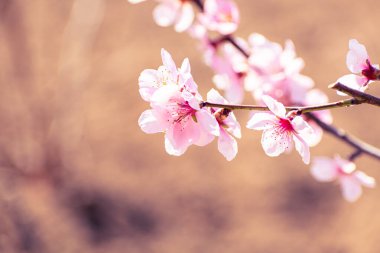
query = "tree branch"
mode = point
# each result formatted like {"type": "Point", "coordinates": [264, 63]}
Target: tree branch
{"type": "Point", "coordinates": [358, 98]}
{"type": "Point", "coordinates": [352, 141]}
{"type": "Point", "coordinates": [299, 109]}
{"type": "Point", "coordinates": [361, 96]}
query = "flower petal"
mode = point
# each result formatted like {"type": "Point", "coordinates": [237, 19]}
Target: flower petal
{"type": "Point", "coordinates": [165, 13]}
{"type": "Point", "coordinates": [364, 179]}
{"type": "Point", "coordinates": [261, 121]}
{"type": "Point", "coordinates": [214, 96]}
{"type": "Point", "coordinates": [180, 136]}
{"type": "Point", "coordinates": [356, 57]}
{"type": "Point", "coordinates": [303, 148]}
{"type": "Point", "coordinates": [204, 138]}
{"type": "Point", "coordinates": [185, 67]}
{"type": "Point", "coordinates": [185, 18]}
{"type": "Point", "coordinates": [276, 107]}
{"type": "Point", "coordinates": [208, 122]}
{"type": "Point", "coordinates": [149, 83]}
{"type": "Point", "coordinates": [168, 62]}
{"type": "Point", "coordinates": [274, 143]}
{"type": "Point", "coordinates": [233, 125]}
{"type": "Point", "coordinates": [303, 129]}
{"type": "Point", "coordinates": [324, 169]}
{"type": "Point", "coordinates": [150, 123]}
{"type": "Point", "coordinates": [227, 145]}
{"type": "Point", "coordinates": [351, 188]}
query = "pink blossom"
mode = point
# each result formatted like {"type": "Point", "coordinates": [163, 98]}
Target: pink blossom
{"type": "Point", "coordinates": [230, 68]}
{"type": "Point", "coordinates": [220, 15]}
{"type": "Point", "coordinates": [351, 180]}
{"type": "Point", "coordinates": [275, 71]}
{"type": "Point", "coordinates": [175, 109]}
{"type": "Point", "coordinates": [229, 127]}
{"type": "Point", "coordinates": [359, 64]}
{"type": "Point", "coordinates": [229, 65]}
{"type": "Point", "coordinates": [279, 130]}
{"type": "Point", "coordinates": [150, 79]}
{"type": "Point", "coordinates": [172, 12]}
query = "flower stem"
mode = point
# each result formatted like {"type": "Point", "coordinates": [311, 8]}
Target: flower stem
{"type": "Point", "coordinates": [299, 109]}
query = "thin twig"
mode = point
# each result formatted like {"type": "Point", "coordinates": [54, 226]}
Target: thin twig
{"type": "Point", "coordinates": [369, 99]}
{"type": "Point", "coordinates": [299, 109]}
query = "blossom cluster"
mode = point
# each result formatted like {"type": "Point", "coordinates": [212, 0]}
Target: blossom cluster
{"type": "Point", "coordinates": [269, 72]}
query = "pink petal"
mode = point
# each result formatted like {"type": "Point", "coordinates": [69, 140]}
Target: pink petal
{"type": "Point", "coordinates": [273, 143]}
{"type": "Point", "coordinates": [208, 122]}
{"type": "Point", "coordinates": [351, 188]}
{"type": "Point", "coordinates": [261, 121]}
{"type": "Point", "coordinates": [235, 93]}
{"type": "Point", "coordinates": [276, 107]}
{"type": "Point", "coordinates": [227, 145]}
{"type": "Point", "coordinates": [190, 85]}
{"type": "Point", "coordinates": [150, 123]}
{"type": "Point", "coordinates": [356, 57]}
{"type": "Point", "coordinates": [324, 169]}
{"type": "Point", "coordinates": [213, 96]}
{"type": "Point", "coordinates": [364, 179]}
{"type": "Point", "coordinates": [204, 139]}
{"type": "Point", "coordinates": [169, 63]}
{"type": "Point", "coordinates": [233, 125]}
{"type": "Point", "coordinates": [303, 129]}
{"type": "Point", "coordinates": [191, 99]}
{"type": "Point", "coordinates": [315, 139]}
{"type": "Point", "coordinates": [346, 166]}
{"type": "Point", "coordinates": [180, 136]}
{"type": "Point", "coordinates": [185, 67]}
{"type": "Point", "coordinates": [303, 148]}
{"type": "Point", "coordinates": [185, 19]}
{"type": "Point", "coordinates": [165, 13]}
{"type": "Point", "coordinates": [227, 28]}
{"type": "Point", "coordinates": [148, 82]}
{"type": "Point", "coordinates": [256, 39]}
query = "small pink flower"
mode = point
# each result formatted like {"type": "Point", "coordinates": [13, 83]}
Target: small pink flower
{"type": "Point", "coordinates": [230, 68]}
{"type": "Point", "coordinates": [280, 130]}
{"type": "Point", "coordinates": [220, 15]}
{"type": "Point", "coordinates": [229, 65]}
{"type": "Point", "coordinates": [179, 13]}
{"type": "Point", "coordinates": [175, 100]}
{"type": "Point", "coordinates": [275, 71]}
{"type": "Point", "coordinates": [229, 127]}
{"type": "Point", "coordinates": [359, 64]}
{"type": "Point", "coordinates": [150, 79]}
{"type": "Point", "coordinates": [351, 180]}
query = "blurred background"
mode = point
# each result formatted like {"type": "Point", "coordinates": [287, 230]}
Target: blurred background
{"type": "Point", "coordinates": [78, 175]}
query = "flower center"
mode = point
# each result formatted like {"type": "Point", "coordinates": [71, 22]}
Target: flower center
{"type": "Point", "coordinates": [180, 111]}
{"type": "Point", "coordinates": [370, 72]}
{"type": "Point", "coordinates": [285, 125]}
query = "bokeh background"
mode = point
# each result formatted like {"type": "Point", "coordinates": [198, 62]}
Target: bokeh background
{"type": "Point", "coordinates": [78, 175]}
